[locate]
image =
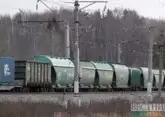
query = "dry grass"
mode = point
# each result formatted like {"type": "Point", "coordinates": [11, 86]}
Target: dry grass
{"type": "Point", "coordinates": [111, 108]}
{"type": "Point", "coordinates": [15, 109]}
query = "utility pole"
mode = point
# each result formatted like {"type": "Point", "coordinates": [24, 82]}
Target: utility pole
{"type": "Point", "coordinates": [149, 85]}
{"type": "Point", "coordinates": [76, 98]}
{"type": "Point", "coordinates": [67, 40]}
{"type": "Point", "coordinates": [119, 52]}
{"type": "Point", "coordinates": [160, 70]}
{"type": "Point", "coordinates": [150, 59]}
{"type": "Point", "coordinates": [67, 32]}
{"type": "Point", "coordinates": [11, 37]}
{"type": "Point", "coordinates": [160, 45]}
{"type": "Point", "coordinates": [77, 64]}
{"type": "Point", "coordinates": [34, 46]}
{"type": "Point", "coordinates": [23, 17]}
{"type": "Point", "coordinates": [52, 42]}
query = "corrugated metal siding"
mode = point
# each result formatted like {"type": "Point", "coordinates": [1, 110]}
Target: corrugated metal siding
{"type": "Point", "coordinates": [87, 71]}
{"type": "Point", "coordinates": [63, 74]}
{"type": "Point", "coordinates": [39, 76]}
{"type": "Point", "coordinates": [145, 75]}
{"type": "Point", "coordinates": [156, 74]}
{"type": "Point", "coordinates": [36, 73]}
{"type": "Point", "coordinates": [28, 72]}
{"type": "Point", "coordinates": [105, 72]}
{"type": "Point", "coordinates": [64, 69]}
{"type": "Point", "coordinates": [164, 79]}
{"type": "Point", "coordinates": [122, 75]}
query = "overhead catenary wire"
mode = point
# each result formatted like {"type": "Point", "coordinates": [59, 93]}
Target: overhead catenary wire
{"type": "Point", "coordinates": [123, 29]}
{"type": "Point", "coordinates": [59, 4]}
{"type": "Point", "coordinates": [54, 18]}
{"type": "Point", "coordinates": [44, 4]}
{"type": "Point", "coordinates": [126, 42]}
{"type": "Point", "coordinates": [23, 21]}
{"type": "Point", "coordinates": [87, 6]}
{"type": "Point", "coordinates": [122, 41]}
{"type": "Point", "coordinates": [76, 98]}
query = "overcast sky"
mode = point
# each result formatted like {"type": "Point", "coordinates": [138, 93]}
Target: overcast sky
{"type": "Point", "coordinates": [147, 8]}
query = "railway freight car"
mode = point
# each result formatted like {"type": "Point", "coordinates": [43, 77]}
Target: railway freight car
{"type": "Point", "coordinates": [104, 73]}
{"type": "Point", "coordinates": [145, 77]}
{"type": "Point", "coordinates": [94, 75]}
{"type": "Point", "coordinates": [156, 77]}
{"type": "Point", "coordinates": [33, 76]}
{"type": "Point", "coordinates": [87, 76]}
{"type": "Point", "coordinates": [97, 75]}
{"type": "Point", "coordinates": [121, 76]}
{"type": "Point", "coordinates": [163, 84]}
{"type": "Point", "coordinates": [62, 71]}
{"type": "Point", "coordinates": [135, 79]}
{"type": "Point", "coordinates": [7, 73]}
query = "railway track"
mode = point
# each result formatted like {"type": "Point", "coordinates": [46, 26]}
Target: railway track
{"type": "Point", "coordinates": [81, 93]}
{"type": "Point", "coordinates": [52, 97]}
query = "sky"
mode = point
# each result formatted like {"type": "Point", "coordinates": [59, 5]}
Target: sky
{"type": "Point", "coordinates": [147, 8]}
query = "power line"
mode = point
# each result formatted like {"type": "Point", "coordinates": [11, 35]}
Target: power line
{"type": "Point", "coordinates": [57, 3]}
{"type": "Point", "coordinates": [35, 21]}
{"type": "Point", "coordinates": [160, 45]}
{"type": "Point", "coordinates": [87, 5]}
{"type": "Point", "coordinates": [60, 21]}
{"type": "Point", "coordinates": [53, 22]}
{"type": "Point", "coordinates": [43, 4]}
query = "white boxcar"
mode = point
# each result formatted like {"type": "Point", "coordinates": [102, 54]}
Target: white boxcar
{"type": "Point", "coordinates": [156, 74]}
{"type": "Point", "coordinates": [34, 74]}
{"type": "Point", "coordinates": [122, 75]}
{"type": "Point", "coordinates": [145, 76]}
{"type": "Point", "coordinates": [87, 74]}
{"type": "Point", "coordinates": [105, 74]}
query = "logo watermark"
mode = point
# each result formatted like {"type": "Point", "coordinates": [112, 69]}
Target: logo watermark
{"type": "Point", "coordinates": [147, 107]}
{"type": "Point", "coordinates": [147, 110]}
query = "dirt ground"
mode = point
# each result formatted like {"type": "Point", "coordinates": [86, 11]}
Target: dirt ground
{"type": "Point", "coordinates": [111, 108]}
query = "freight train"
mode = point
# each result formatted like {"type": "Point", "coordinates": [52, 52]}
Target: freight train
{"type": "Point", "coordinates": [46, 73]}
